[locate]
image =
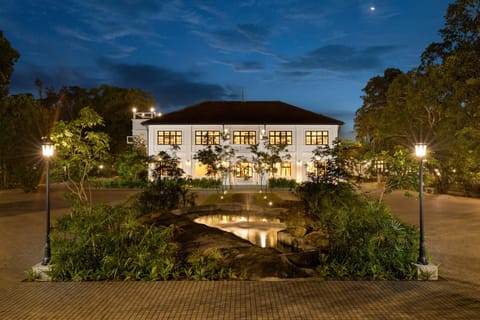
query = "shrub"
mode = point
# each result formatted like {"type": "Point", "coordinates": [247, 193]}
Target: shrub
{"type": "Point", "coordinates": [109, 243]}
{"type": "Point", "coordinates": [281, 183]}
{"type": "Point", "coordinates": [367, 242]}
{"type": "Point", "coordinates": [165, 194]}
{"type": "Point", "coordinates": [318, 198]}
{"type": "Point", "coordinates": [117, 183]}
{"type": "Point", "coordinates": [208, 265]}
{"type": "Point", "coordinates": [204, 183]}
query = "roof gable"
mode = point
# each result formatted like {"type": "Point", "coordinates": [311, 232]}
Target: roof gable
{"type": "Point", "coordinates": [243, 112]}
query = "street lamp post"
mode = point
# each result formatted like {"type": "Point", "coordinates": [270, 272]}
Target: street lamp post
{"type": "Point", "coordinates": [47, 152]}
{"type": "Point", "coordinates": [421, 151]}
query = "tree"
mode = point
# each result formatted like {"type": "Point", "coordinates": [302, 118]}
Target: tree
{"type": "Point", "coordinates": [80, 149]}
{"type": "Point", "coordinates": [400, 171]}
{"type": "Point", "coordinates": [113, 104]}
{"type": "Point", "coordinates": [275, 154]}
{"type": "Point", "coordinates": [209, 158]}
{"type": "Point", "coordinates": [8, 57]}
{"type": "Point", "coordinates": [22, 121]}
{"type": "Point", "coordinates": [368, 119]}
{"type": "Point", "coordinates": [266, 158]}
{"type": "Point", "coordinates": [334, 165]}
{"type": "Point", "coordinates": [131, 168]}
{"type": "Point", "coordinates": [257, 158]}
{"type": "Point", "coordinates": [218, 159]}
{"type": "Point", "coordinates": [167, 164]}
{"type": "Point", "coordinates": [460, 34]}
{"type": "Point", "coordinates": [331, 183]}
{"type": "Point", "coordinates": [169, 193]}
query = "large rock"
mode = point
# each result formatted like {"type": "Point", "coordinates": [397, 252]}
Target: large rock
{"type": "Point", "coordinates": [317, 239]}
{"type": "Point", "coordinates": [245, 259]}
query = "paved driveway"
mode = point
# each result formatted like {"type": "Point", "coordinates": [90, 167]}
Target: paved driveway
{"type": "Point", "coordinates": [452, 231]}
{"type": "Point", "coordinates": [23, 227]}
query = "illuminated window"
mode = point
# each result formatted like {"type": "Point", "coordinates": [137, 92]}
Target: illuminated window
{"type": "Point", "coordinates": [285, 169]}
{"type": "Point", "coordinates": [316, 137]}
{"type": "Point", "coordinates": [207, 137]}
{"type": "Point", "coordinates": [169, 137]}
{"type": "Point", "coordinates": [244, 137]}
{"type": "Point", "coordinates": [280, 137]}
{"type": "Point", "coordinates": [200, 170]}
{"type": "Point", "coordinates": [244, 170]}
{"type": "Point", "coordinates": [317, 168]}
{"type": "Point", "coordinates": [379, 166]}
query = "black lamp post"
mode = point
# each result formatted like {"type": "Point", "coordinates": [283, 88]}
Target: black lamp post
{"type": "Point", "coordinates": [47, 152]}
{"type": "Point", "coordinates": [421, 151]}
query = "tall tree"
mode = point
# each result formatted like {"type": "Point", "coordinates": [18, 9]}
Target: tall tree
{"type": "Point", "coordinates": [368, 118]}
{"type": "Point", "coordinates": [437, 103]}
{"type": "Point", "coordinates": [22, 121]}
{"type": "Point", "coordinates": [460, 34]}
{"type": "Point", "coordinates": [8, 57]}
{"type": "Point", "coordinates": [115, 105]}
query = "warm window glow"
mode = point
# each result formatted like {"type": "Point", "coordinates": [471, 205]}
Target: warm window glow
{"type": "Point", "coordinates": [244, 137]}
{"type": "Point", "coordinates": [379, 165]}
{"type": "Point", "coordinates": [317, 168]}
{"type": "Point", "coordinates": [169, 137]}
{"type": "Point", "coordinates": [200, 170]}
{"type": "Point", "coordinates": [316, 137]}
{"type": "Point", "coordinates": [244, 170]}
{"type": "Point", "coordinates": [207, 137]}
{"type": "Point", "coordinates": [284, 169]}
{"type": "Point", "coordinates": [280, 137]}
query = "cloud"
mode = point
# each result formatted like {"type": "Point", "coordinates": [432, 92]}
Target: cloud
{"type": "Point", "coordinates": [340, 58]}
{"type": "Point", "coordinates": [170, 88]}
{"type": "Point", "coordinates": [110, 20]}
{"type": "Point", "coordinates": [243, 66]}
{"type": "Point", "coordinates": [242, 38]}
{"type": "Point", "coordinates": [294, 74]}
{"type": "Point", "coordinates": [23, 79]}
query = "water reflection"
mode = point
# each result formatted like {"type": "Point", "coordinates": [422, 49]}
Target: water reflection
{"type": "Point", "coordinates": [260, 231]}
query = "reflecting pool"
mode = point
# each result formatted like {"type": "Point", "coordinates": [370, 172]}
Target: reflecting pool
{"type": "Point", "coordinates": [261, 231]}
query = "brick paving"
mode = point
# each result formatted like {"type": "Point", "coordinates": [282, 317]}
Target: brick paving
{"type": "Point", "coordinates": [289, 299]}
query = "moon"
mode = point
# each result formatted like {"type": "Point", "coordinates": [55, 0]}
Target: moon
{"type": "Point", "coordinates": [372, 8]}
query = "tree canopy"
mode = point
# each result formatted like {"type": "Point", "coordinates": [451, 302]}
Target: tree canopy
{"type": "Point", "coordinates": [437, 103]}
{"type": "Point", "coordinates": [8, 57]}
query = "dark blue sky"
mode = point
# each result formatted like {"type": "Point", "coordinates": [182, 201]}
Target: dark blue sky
{"type": "Point", "coordinates": [316, 54]}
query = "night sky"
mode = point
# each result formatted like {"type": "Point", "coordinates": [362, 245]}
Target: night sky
{"type": "Point", "coordinates": [315, 54]}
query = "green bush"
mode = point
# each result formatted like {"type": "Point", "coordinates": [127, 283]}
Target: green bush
{"type": "Point", "coordinates": [281, 183]}
{"type": "Point", "coordinates": [318, 198]}
{"type": "Point", "coordinates": [109, 243]}
{"type": "Point", "coordinates": [208, 265]}
{"type": "Point", "coordinates": [365, 241]}
{"type": "Point", "coordinates": [117, 183]}
{"type": "Point", "coordinates": [132, 169]}
{"type": "Point", "coordinates": [165, 194]}
{"type": "Point", "coordinates": [204, 183]}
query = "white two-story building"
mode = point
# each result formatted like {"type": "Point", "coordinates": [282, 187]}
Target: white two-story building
{"type": "Point", "coordinates": [238, 124]}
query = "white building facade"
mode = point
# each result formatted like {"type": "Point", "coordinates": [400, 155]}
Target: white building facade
{"type": "Point", "coordinates": [238, 124]}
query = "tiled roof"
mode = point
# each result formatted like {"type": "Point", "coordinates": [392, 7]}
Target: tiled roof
{"type": "Point", "coordinates": [243, 112]}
